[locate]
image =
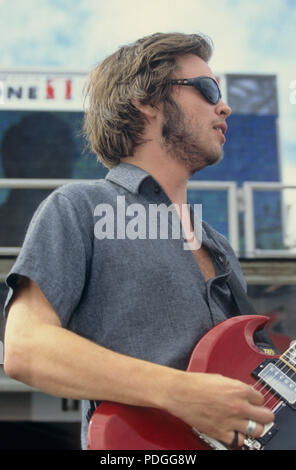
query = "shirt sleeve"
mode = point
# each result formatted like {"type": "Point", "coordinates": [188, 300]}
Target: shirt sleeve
{"type": "Point", "coordinates": [55, 255]}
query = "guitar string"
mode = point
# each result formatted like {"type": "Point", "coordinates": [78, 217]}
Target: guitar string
{"type": "Point", "coordinates": [283, 370]}
{"type": "Point", "coordinates": [269, 387]}
{"type": "Point", "coordinates": [267, 390]}
{"type": "Point", "coordinates": [273, 400]}
{"type": "Point", "coordinates": [288, 355]}
{"type": "Point", "coordinates": [265, 385]}
{"type": "Point", "coordinates": [281, 367]}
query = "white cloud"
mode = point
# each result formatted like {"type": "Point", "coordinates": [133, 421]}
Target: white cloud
{"type": "Point", "coordinates": [117, 22]}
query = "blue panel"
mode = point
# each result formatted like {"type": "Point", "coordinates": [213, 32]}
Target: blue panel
{"type": "Point", "coordinates": [268, 220]}
{"type": "Point", "coordinates": [214, 208]}
{"type": "Point", "coordinates": [38, 145]}
{"type": "Point", "coordinates": [47, 145]}
{"type": "Point", "coordinates": [250, 152]}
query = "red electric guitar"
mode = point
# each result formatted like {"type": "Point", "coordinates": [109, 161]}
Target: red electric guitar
{"type": "Point", "coordinates": [227, 349]}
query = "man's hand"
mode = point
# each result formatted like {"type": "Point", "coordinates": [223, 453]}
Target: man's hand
{"type": "Point", "coordinates": [218, 406]}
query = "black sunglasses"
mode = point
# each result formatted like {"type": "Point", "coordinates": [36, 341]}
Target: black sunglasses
{"type": "Point", "coordinates": [208, 87]}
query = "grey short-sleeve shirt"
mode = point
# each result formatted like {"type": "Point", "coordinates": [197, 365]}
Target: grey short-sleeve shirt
{"type": "Point", "coordinates": [144, 297]}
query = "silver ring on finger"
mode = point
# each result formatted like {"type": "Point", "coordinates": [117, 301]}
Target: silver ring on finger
{"type": "Point", "coordinates": [251, 428]}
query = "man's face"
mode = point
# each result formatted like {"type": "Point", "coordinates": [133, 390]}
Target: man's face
{"type": "Point", "coordinates": [189, 120]}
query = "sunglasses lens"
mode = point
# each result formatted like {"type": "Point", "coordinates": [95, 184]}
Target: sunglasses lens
{"type": "Point", "coordinates": [209, 89]}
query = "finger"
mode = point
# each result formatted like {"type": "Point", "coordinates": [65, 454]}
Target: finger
{"type": "Point", "coordinates": [255, 432]}
{"type": "Point", "coordinates": [234, 439]}
{"type": "Point", "coordinates": [241, 439]}
{"type": "Point", "coordinates": [251, 428]}
{"type": "Point", "coordinates": [255, 397]}
{"type": "Point", "coordinates": [259, 414]}
{"type": "Point", "coordinates": [242, 426]}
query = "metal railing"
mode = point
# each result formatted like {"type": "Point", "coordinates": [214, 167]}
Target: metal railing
{"type": "Point", "coordinates": [229, 187]}
{"type": "Point", "coordinates": [233, 208]}
{"type": "Point", "coordinates": [32, 183]}
{"type": "Point", "coordinates": [249, 220]}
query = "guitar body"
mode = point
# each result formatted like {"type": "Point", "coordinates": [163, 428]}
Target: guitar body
{"type": "Point", "coordinates": [227, 349]}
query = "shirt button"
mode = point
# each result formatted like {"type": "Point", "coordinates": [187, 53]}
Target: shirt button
{"type": "Point", "coordinates": [157, 189]}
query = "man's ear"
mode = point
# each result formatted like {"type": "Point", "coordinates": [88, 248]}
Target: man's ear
{"type": "Point", "coordinates": [149, 111]}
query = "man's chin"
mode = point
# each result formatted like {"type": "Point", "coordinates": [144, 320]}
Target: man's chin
{"type": "Point", "coordinates": [216, 158]}
{"type": "Point", "coordinates": [209, 160]}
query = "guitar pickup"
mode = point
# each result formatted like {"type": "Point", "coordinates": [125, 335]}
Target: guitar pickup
{"type": "Point", "coordinates": [271, 373]}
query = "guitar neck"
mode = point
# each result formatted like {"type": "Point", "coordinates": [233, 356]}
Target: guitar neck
{"type": "Point", "coordinates": [289, 357]}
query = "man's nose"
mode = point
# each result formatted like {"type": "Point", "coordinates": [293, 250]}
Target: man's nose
{"type": "Point", "coordinates": [223, 109]}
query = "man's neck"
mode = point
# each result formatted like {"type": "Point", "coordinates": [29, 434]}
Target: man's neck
{"type": "Point", "coordinates": [168, 172]}
{"type": "Point", "coordinates": [172, 175]}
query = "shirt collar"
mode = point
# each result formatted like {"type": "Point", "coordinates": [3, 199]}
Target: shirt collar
{"type": "Point", "coordinates": [128, 176]}
{"type": "Point", "coordinates": [131, 177]}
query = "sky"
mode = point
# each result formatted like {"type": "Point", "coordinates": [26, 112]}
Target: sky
{"type": "Point", "coordinates": [250, 36]}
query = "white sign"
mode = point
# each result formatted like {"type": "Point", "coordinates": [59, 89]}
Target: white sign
{"type": "Point", "coordinates": [42, 90]}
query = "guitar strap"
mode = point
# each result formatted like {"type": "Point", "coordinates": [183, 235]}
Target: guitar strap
{"type": "Point", "coordinates": [239, 294]}
{"type": "Point", "coordinates": [261, 337]}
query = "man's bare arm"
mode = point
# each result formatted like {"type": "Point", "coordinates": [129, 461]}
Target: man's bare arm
{"type": "Point", "coordinates": [39, 352]}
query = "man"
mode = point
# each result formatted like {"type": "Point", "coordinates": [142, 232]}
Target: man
{"type": "Point", "coordinates": [115, 318]}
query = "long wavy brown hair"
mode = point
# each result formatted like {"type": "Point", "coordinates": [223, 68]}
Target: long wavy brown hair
{"type": "Point", "coordinates": [142, 70]}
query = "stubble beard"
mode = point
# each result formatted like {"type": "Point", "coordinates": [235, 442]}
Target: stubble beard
{"type": "Point", "coordinates": [183, 145]}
